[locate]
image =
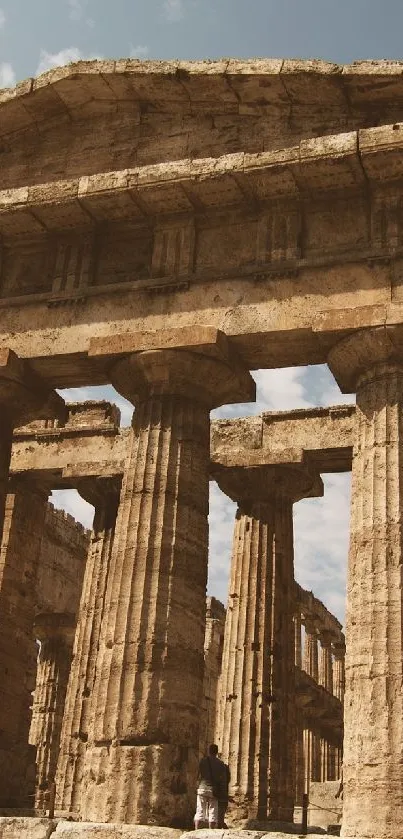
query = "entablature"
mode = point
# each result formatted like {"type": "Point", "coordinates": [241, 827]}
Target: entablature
{"type": "Point", "coordinates": [91, 444]}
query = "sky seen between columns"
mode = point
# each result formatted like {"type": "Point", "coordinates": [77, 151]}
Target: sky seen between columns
{"type": "Point", "coordinates": [321, 525]}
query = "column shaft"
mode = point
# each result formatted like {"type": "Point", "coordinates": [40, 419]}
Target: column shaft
{"type": "Point", "coordinates": [23, 524]}
{"type": "Point", "coordinates": [258, 720]}
{"type": "Point", "coordinates": [326, 665]}
{"type": "Point", "coordinates": [373, 742]}
{"type": "Point", "coordinates": [142, 753]}
{"type": "Point", "coordinates": [339, 674]}
{"type": "Point", "coordinates": [298, 644]}
{"type": "Point", "coordinates": [78, 717]}
{"type": "Point", "coordinates": [311, 651]}
{"type": "Point", "coordinates": [49, 698]}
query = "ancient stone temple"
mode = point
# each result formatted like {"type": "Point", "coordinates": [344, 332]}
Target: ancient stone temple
{"type": "Point", "coordinates": [169, 227]}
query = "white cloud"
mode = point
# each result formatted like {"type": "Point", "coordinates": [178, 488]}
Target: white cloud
{"type": "Point", "coordinates": [2, 18]}
{"type": "Point", "coordinates": [7, 75]}
{"type": "Point", "coordinates": [76, 9]}
{"type": "Point", "coordinates": [71, 501]}
{"type": "Point", "coordinates": [173, 10]}
{"type": "Point", "coordinates": [320, 525]}
{"type": "Point", "coordinates": [48, 60]}
{"type": "Point", "coordinates": [139, 51]}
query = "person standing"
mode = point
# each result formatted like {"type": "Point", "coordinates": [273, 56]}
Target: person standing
{"type": "Point", "coordinates": [212, 790]}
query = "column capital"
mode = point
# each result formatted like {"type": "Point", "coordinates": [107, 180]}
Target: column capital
{"type": "Point", "coordinates": [364, 350]}
{"type": "Point", "coordinates": [325, 637]}
{"type": "Point", "coordinates": [197, 363]}
{"type": "Point", "coordinates": [258, 485]}
{"type": "Point", "coordinates": [339, 649]}
{"type": "Point", "coordinates": [311, 625]}
{"type": "Point", "coordinates": [23, 394]}
{"type": "Point", "coordinates": [95, 489]}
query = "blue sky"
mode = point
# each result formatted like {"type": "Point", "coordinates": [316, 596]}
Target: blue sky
{"type": "Point", "coordinates": [337, 30]}
{"type": "Point", "coordinates": [38, 34]}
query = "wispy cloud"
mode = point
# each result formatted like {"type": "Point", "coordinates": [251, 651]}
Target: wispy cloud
{"type": "Point", "coordinates": [139, 51]}
{"type": "Point", "coordinates": [173, 10]}
{"type": "Point", "coordinates": [49, 60]}
{"type": "Point", "coordinates": [77, 12]}
{"type": "Point", "coordinates": [2, 18]}
{"type": "Point", "coordinates": [76, 9]}
{"type": "Point", "coordinates": [7, 75]}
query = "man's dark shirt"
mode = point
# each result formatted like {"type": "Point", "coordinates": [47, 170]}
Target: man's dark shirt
{"type": "Point", "coordinates": [216, 773]}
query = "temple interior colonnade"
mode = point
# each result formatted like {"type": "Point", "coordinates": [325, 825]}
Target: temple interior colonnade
{"type": "Point", "coordinates": [88, 451]}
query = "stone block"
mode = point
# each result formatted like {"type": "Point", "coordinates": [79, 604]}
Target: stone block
{"type": "Point", "coordinates": [17, 827]}
{"type": "Point", "coordinates": [92, 830]}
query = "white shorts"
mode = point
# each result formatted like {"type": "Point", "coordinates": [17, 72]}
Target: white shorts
{"type": "Point", "coordinates": [206, 808]}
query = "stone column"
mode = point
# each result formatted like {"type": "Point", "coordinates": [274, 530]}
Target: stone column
{"type": "Point", "coordinates": [326, 660]}
{"type": "Point", "coordinates": [24, 518]}
{"type": "Point", "coordinates": [308, 754]}
{"type": "Point", "coordinates": [311, 649]}
{"type": "Point", "coordinates": [297, 643]}
{"type": "Point", "coordinates": [258, 725]}
{"type": "Point", "coordinates": [371, 362]}
{"type": "Point", "coordinates": [23, 397]}
{"type": "Point", "coordinates": [142, 753]}
{"type": "Point", "coordinates": [324, 759]}
{"type": "Point", "coordinates": [339, 652]}
{"type": "Point", "coordinates": [299, 761]}
{"type": "Point", "coordinates": [213, 648]}
{"type": "Point", "coordinates": [56, 634]}
{"type": "Point", "coordinates": [103, 493]}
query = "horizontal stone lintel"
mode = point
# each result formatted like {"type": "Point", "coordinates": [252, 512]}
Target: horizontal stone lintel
{"type": "Point", "coordinates": [317, 166]}
{"type": "Point", "coordinates": [62, 458]}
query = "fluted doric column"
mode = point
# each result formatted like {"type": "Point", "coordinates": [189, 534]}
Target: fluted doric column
{"type": "Point", "coordinates": [78, 721]}
{"type": "Point", "coordinates": [299, 760]}
{"type": "Point", "coordinates": [326, 661]}
{"type": "Point", "coordinates": [23, 397]}
{"type": "Point", "coordinates": [142, 752]}
{"type": "Point", "coordinates": [56, 634]}
{"type": "Point", "coordinates": [24, 519]}
{"type": "Point", "coordinates": [297, 642]}
{"type": "Point", "coordinates": [371, 362]}
{"type": "Point", "coordinates": [339, 654]}
{"type": "Point", "coordinates": [257, 722]}
{"type": "Point", "coordinates": [310, 664]}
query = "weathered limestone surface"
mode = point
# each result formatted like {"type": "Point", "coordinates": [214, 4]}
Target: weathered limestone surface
{"type": "Point", "coordinates": [141, 757]}
{"type": "Point", "coordinates": [79, 719]}
{"type": "Point", "coordinates": [71, 830]}
{"type": "Point", "coordinates": [372, 362]}
{"type": "Point", "coordinates": [20, 550]}
{"type": "Point", "coordinates": [26, 828]}
{"type": "Point", "coordinates": [213, 649]}
{"type": "Point", "coordinates": [63, 555]}
{"type": "Point", "coordinates": [23, 397]}
{"type": "Point", "coordinates": [56, 634]}
{"type": "Point", "coordinates": [86, 442]}
{"type": "Point", "coordinates": [257, 724]}
{"type": "Point", "coordinates": [233, 216]}
{"type": "Point", "coordinates": [84, 446]}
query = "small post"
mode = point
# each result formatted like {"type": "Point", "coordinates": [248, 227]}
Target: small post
{"type": "Point", "coordinates": [304, 814]}
{"type": "Point", "coordinates": [52, 798]}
